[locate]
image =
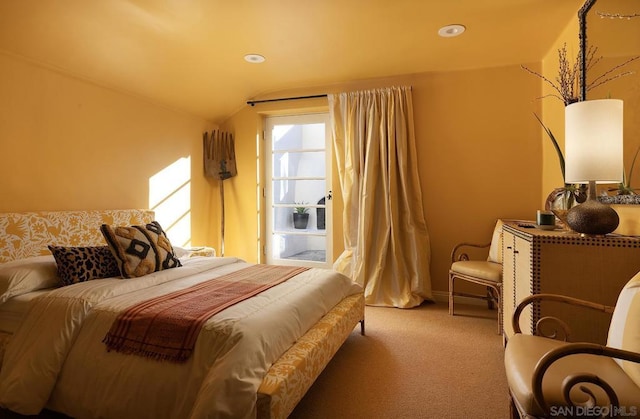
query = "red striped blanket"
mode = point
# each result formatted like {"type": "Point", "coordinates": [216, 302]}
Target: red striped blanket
{"type": "Point", "coordinates": [167, 327]}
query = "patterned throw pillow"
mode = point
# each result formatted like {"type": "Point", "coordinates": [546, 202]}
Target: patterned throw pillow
{"type": "Point", "coordinates": [79, 264]}
{"type": "Point", "coordinates": [140, 249]}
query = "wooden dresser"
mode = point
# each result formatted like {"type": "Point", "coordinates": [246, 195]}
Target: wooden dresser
{"type": "Point", "coordinates": [562, 262]}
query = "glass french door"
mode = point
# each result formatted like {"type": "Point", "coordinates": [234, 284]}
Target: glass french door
{"type": "Point", "coordinates": [298, 198]}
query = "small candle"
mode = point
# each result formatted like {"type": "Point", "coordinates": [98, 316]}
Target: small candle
{"type": "Point", "coordinates": [545, 218]}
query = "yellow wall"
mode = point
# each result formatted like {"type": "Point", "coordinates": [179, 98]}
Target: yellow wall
{"type": "Point", "coordinates": [478, 147]}
{"type": "Point", "coordinates": [69, 144]}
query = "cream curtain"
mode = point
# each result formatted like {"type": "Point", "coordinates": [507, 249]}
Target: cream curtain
{"type": "Point", "coordinates": [385, 234]}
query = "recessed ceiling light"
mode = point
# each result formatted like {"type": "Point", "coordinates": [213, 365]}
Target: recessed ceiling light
{"type": "Point", "coordinates": [254, 58]}
{"type": "Point", "coordinates": [451, 30]}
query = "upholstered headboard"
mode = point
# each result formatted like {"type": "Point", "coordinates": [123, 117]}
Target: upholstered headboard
{"type": "Point", "coordinates": [27, 234]}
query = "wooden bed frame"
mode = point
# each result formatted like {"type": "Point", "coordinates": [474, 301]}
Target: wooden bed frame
{"type": "Point", "coordinates": [27, 234]}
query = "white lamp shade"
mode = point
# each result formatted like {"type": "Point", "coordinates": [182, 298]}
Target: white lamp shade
{"type": "Point", "coordinates": [593, 141]}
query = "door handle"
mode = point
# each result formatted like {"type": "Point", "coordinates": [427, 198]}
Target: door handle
{"type": "Point", "coordinates": [330, 196]}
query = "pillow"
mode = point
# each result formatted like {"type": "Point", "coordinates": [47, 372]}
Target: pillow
{"type": "Point", "coordinates": [180, 252]}
{"type": "Point", "coordinates": [25, 275]}
{"type": "Point", "coordinates": [140, 250]}
{"type": "Point", "coordinates": [79, 264]}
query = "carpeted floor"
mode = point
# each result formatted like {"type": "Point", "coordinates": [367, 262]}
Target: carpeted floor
{"type": "Point", "coordinates": [416, 363]}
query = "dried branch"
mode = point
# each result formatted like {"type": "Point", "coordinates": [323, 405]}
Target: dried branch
{"type": "Point", "coordinates": [566, 83]}
{"type": "Point", "coordinates": [552, 84]}
{"type": "Point", "coordinates": [600, 80]}
{"type": "Point", "coordinates": [617, 15]}
{"type": "Point", "coordinates": [566, 74]}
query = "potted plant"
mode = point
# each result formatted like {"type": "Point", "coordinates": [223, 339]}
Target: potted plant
{"type": "Point", "coordinates": [625, 194]}
{"type": "Point", "coordinates": [300, 215]}
{"type": "Point", "coordinates": [566, 197]}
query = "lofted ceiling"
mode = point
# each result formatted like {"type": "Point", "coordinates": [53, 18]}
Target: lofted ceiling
{"type": "Point", "coordinates": [188, 54]}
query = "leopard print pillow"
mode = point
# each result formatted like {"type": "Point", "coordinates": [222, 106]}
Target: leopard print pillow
{"type": "Point", "coordinates": [79, 264]}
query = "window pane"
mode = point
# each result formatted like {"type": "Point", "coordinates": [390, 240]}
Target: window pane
{"type": "Point", "coordinates": [298, 137]}
{"type": "Point", "coordinates": [292, 164]}
{"type": "Point", "coordinates": [308, 192]}
{"type": "Point", "coordinates": [299, 247]}
{"type": "Point", "coordinates": [284, 220]}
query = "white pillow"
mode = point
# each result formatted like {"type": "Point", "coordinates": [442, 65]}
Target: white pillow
{"type": "Point", "coordinates": [180, 252]}
{"type": "Point", "coordinates": [25, 275]}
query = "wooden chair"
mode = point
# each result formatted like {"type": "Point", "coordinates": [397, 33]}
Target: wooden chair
{"type": "Point", "coordinates": [551, 378]}
{"type": "Point", "coordinates": [487, 273]}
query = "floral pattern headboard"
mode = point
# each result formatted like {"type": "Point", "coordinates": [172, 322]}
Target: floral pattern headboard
{"type": "Point", "coordinates": [27, 234]}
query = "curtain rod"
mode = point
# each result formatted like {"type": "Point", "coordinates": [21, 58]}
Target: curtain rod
{"type": "Point", "coordinates": [253, 102]}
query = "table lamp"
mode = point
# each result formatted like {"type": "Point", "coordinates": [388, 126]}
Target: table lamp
{"type": "Point", "coordinates": [593, 154]}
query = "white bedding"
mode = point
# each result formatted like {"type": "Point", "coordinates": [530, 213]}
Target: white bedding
{"type": "Point", "coordinates": [57, 358]}
{"type": "Point", "coordinates": [13, 311]}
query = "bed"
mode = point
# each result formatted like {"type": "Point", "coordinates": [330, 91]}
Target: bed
{"type": "Point", "coordinates": [241, 366]}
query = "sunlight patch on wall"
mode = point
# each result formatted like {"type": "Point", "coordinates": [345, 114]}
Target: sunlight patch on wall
{"type": "Point", "coordinates": [170, 198]}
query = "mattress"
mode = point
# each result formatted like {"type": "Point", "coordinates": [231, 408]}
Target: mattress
{"type": "Point", "coordinates": [13, 311]}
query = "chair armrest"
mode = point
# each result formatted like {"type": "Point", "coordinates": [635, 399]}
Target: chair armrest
{"type": "Point", "coordinates": [515, 320]}
{"type": "Point", "coordinates": [579, 377]}
{"type": "Point", "coordinates": [455, 257]}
